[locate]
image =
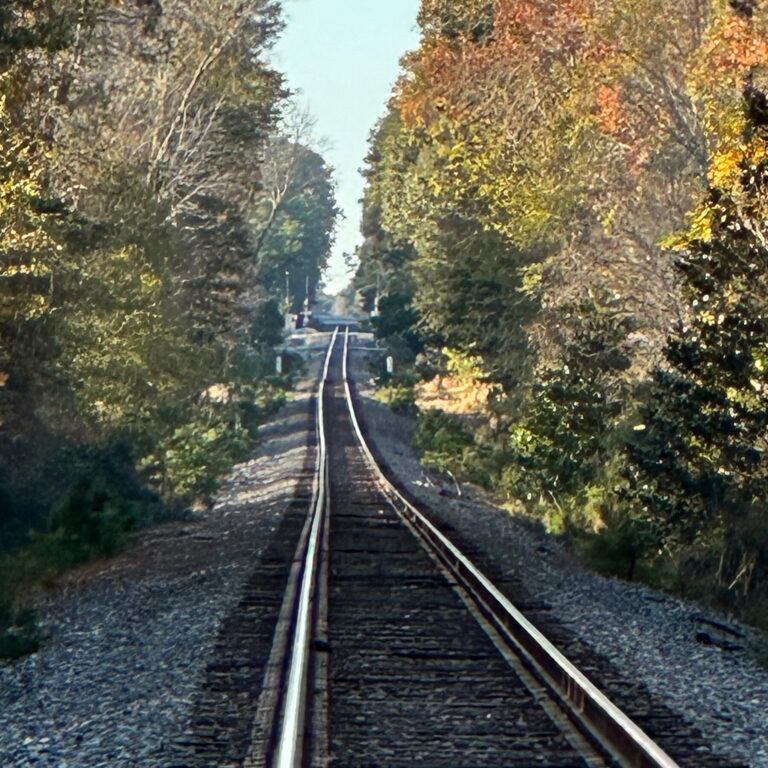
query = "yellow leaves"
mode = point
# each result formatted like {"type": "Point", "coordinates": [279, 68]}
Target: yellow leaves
{"type": "Point", "coordinates": [457, 152]}
{"type": "Point", "coordinates": [700, 229]}
{"type": "Point", "coordinates": [463, 365]}
{"type": "Point", "coordinates": [151, 280]}
{"type": "Point", "coordinates": [728, 165]}
{"type": "Point", "coordinates": [724, 169]}
{"type": "Point", "coordinates": [435, 187]}
{"type": "Point", "coordinates": [532, 278]}
{"type": "Point", "coordinates": [608, 220]}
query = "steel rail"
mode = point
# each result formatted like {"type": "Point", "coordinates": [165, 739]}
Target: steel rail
{"type": "Point", "coordinates": [291, 730]}
{"type": "Point", "coordinates": [585, 704]}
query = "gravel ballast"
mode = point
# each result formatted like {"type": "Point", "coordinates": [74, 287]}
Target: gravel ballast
{"type": "Point", "coordinates": [116, 682]}
{"type": "Point", "coordinates": [647, 635]}
{"type": "Point", "coordinates": [129, 638]}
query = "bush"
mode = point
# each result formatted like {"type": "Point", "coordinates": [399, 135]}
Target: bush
{"type": "Point", "coordinates": [18, 632]}
{"type": "Point", "coordinates": [294, 365]}
{"type": "Point", "coordinates": [439, 434]}
{"type": "Point", "coordinates": [399, 397]}
{"type": "Point", "coordinates": [623, 546]}
{"type": "Point", "coordinates": [199, 452]}
{"type": "Point", "coordinates": [217, 436]}
{"type": "Point", "coordinates": [94, 518]}
{"type": "Point", "coordinates": [447, 445]}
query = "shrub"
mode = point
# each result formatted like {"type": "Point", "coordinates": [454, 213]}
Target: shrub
{"type": "Point", "coordinates": [623, 547]}
{"type": "Point", "coordinates": [18, 632]}
{"type": "Point", "coordinates": [92, 519]}
{"type": "Point", "coordinates": [447, 445]}
{"type": "Point", "coordinates": [439, 434]}
{"type": "Point", "coordinates": [199, 452]}
{"type": "Point", "coordinates": [399, 397]}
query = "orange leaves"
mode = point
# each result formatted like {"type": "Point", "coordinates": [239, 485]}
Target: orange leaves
{"type": "Point", "coordinates": [428, 90]}
{"type": "Point", "coordinates": [563, 105]}
{"type": "Point", "coordinates": [735, 46]}
{"type": "Point", "coordinates": [611, 116]}
{"type": "Point", "coordinates": [614, 120]}
{"type": "Point", "coordinates": [554, 29]}
{"type": "Point", "coordinates": [413, 106]}
{"type": "Point", "coordinates": [744, 48]}
{"type": "Point", "coordinates": [734, 52]}
{"type": "Point", "coordinates": [465, 77]}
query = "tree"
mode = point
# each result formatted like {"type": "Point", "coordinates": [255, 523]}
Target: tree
{"type": "Point", "coordinates": [293, 218]}
{"type": "Point", "coordinates": [699, 465]}
{"type": "Point", "coordinates": [133, 139]}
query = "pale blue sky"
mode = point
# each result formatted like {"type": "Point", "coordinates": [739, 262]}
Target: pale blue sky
{"type": "Point", "coordinates": [343, 56]}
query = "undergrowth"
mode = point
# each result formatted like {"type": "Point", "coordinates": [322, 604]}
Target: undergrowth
{"type": "Point", "coordinates": [398, 392]}
{"type": "Point", "coordinates": [591, 517]}
{"type": "Point", "coordinates": [93, 520]}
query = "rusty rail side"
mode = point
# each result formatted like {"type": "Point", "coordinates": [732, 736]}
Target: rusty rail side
{"type": "Point", "coordinates": [592, 712]}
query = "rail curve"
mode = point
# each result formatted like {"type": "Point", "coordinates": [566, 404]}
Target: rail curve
{"type": "Point", "coordinates": [294, 739]}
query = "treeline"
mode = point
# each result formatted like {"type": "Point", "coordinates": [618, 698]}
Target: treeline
{"type": "Point", "coordinates": [160, 207]}
{"type": "Point", "coordinates": [567, 202]}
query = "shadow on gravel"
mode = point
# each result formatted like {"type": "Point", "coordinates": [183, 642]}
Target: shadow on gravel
{"type": "Point", "coordinates": [220, 728]}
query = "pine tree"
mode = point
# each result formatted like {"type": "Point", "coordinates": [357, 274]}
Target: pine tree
{"type": "Point", "coordinates": [699, 465]}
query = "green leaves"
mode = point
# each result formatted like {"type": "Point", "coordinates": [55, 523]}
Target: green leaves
{"type": "Point", "coordinates": [537, 199]}
{"type": "Point", "coordinates": [146, 223]}
{"type": "Point", "coordinates": [127, 263]}
{"type": "Point", "coordinates": [200, 451]}
{"type": "Point", "coordinates": [710, 408]}
{"type": "Point", "coordinates": [293, 220]}
{"type": "Point", "coordinates": [450, 447]}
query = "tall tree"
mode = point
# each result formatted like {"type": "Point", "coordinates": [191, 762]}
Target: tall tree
{"type": "Point", "coordinates": [700, 464]}
{"type": "Point", "coordinates": [293, 216]}
{"type": "Point", "coordinates": [133, 138]}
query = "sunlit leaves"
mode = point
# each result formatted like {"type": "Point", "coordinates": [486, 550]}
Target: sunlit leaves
{"type": "Point", "coordinates": [131, 145]}
{"type": "Point", "coordinates": [569, 130]}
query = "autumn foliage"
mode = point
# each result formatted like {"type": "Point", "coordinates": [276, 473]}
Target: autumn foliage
{"type": "Point", "coordinates": [580, 187]}
{"type": "Point", "coordinates": [154, 188]}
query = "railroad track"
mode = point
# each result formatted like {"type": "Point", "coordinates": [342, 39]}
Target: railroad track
{"type": "Point", "coordinates": [393, 649]}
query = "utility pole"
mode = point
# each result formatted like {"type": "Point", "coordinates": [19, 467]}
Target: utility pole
{"type": "Point", "coordinates": [287, 320]}
{"type": "Point", "coordinates": [375, 310]}
{"type": "Point", "coordinates": [287, 302]}
{"type": "Point", "coordinates": [306, 302]}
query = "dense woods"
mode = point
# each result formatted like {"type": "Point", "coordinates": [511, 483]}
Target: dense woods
{"type": "Point", "coordinates": [565, 213]}
{"type": "Point", "coordinates": [157, 193]}
{"type": "Point", "coordinates": [566, 209]}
